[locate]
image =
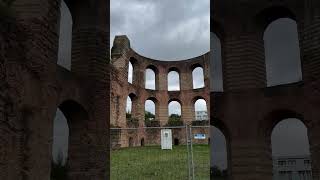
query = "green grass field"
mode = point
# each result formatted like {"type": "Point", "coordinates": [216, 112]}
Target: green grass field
{"type": "Point", "coordinates": [152, 163]}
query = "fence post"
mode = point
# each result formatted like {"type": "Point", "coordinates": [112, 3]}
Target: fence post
{"type": "Point", "coordinates": [188, 151]}
{"type": "Point", "coordinates": [191, 151]}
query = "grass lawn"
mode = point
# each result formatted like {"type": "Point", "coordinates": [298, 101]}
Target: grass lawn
{"type": "Point", "coordinates": [152, 163]}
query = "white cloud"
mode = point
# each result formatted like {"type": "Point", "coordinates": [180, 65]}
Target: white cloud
{"type": "Point", "coordinates": [150, 106]}
{"type": "Point", "coordinates": [198, 78]}
{"type": "Point", "coordinates": [200, 105]}
{"type": "Point", "coordinates": [173, 81]}
{"type": "Point", "coordinates": [128, 105]}
{"type": "Point", "coordinates": [163, 29]}
{"type": "Point", "coordinates": [174, 107]}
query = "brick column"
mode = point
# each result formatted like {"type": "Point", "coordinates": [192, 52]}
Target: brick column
{"type": "Point", "coordinates": [187, 110]}
{"type": "Point", "coordinates": [309, 34]}
{"type": "Point", "coordinates": [314, 140]}
{"type": "Point", "coordinates": [243, 63]}
{"type": "Point", "coordinates": [163, 79]}
{"type": "Point", "coordinates": [163, 110]}
{"type": "Point", "coordinates": [186, 80]}
{"type": "Point", "coordinates": [90, 61]}
{"type": "Point", "coordinates": [250, 159]}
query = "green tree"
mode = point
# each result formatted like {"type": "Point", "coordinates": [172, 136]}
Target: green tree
{"type": "Point", "coordinates": [128, 115]}
{"type": "Point", "coordinates": [175, 120]}
{"type": "Point", "coordinates": [59, 169]}
{"type": "Point", "coordinates": [148, 115]}
{"type": "Point", "coordinates": [216, 172]}
{"type": "Point", "coordinates": [175, 117]}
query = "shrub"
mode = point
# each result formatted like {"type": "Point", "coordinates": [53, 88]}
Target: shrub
{"type": "Point", "coordinates": [59, 170]}
{"type": "Point", "coordinates": [200, 123]}
{"type": "Point", "coordinates": [151, 123]}
{"type": "Point", "coordinates": [132, 122]}
{"type": "Point", "coordinates": [175, 120]}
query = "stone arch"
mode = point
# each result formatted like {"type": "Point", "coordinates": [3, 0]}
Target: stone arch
{"type": "Point", "coordinates": [86, 17]}
{"type": "Point", "coordinates": [130, 142]}
{"type": "Point", "coordinates": [79, 138]}
{"type": "Point", "coordinates": [197, 70]}
{"type": "Point", "coordinates": [178, 105]}
{"type": "Point", "coordinates": [65, 36]}
{"type": "Point", "coordinates": [283, 63]}
{"type": "Point", "coordinates": [217, 28]}
{"type": "Point", "coordinates": [274, 117]}
{"type": "Point", "coordinates": [176, 141]}
{"type": "Point", "coordinates": [270, 14]}
{"type": "Point", "coordinates": [133, 99]}
{"type": "Point", "coordinates": [195, 104]}
{"type": "Point", "coordinates": [132, 66]}
{"type": "Point", "coordinates": [277, 119]}
{"type": "Point", "coordinates": [225, 132]}
{"type": "Point", "coordinates": [156, 106]}
{"type": "Point", "coordinates": [216, 65]}
{"type": "Point", "coordinates": [173, 76]}
{"type": "Point", "coordinates": [154, 69]}
{"type": "Point", "coordinates": [142, 142]}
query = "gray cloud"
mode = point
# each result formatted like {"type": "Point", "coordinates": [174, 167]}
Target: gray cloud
{"type": "Point", "coordinates": [174, 107]}
{"type": "Point", "coordinates": [173, 81]}
{"type": "Point", "coordinates": [150, 106]}
{"type": "Point", "coordinates": [167, 30]}
{"type": "Point", "coordinates": [282, 52]}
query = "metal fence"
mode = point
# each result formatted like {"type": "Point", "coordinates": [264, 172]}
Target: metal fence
{"type": "Point", "coordinates": [137, 154]}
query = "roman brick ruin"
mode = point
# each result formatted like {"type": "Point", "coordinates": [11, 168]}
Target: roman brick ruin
{"type": "Point", "coordinates": [33, 86]}
{"type": "Point", "coordinates": [121, 55]}
{"type": "Point", "coordinates": [247, 110]}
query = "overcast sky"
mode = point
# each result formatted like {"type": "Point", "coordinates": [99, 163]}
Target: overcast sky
{"type": "Point", "coordinates": [166, 29]}
{"type": "Point", "coordinates": [179, 29]}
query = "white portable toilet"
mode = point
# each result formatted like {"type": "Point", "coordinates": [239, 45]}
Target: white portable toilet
{"type": "Point", "coordinates": [166, 139]}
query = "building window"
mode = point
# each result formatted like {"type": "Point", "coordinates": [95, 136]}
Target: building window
{"type": "Point", "coordinates": [282, 163]}
{"type": "Point", "coordinates": [307, 162]}
{"type": "Point", "coordinates": [292, 162]}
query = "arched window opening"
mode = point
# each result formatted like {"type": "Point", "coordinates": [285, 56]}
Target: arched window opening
{"type": "Point", "coordinates": [198, 78]}
{"type": "Point", "coordinates": [216, 80]}
{"type": "Point", "coordinates": [60, 145]}
{"type": "Point", "coordinates": [128, 107]}
{"type": "Point", "coordinates": [174, 110]}
{"type": "Point", "coordinates": [130, 142]}
{"type": "Point", "coordinates": [173, 81]}
{"type": "Point", "coordinates": [130, 72]}
{"type": "Point", "coordinates": [65, 37]}
{"type": "Point", "coordinates": [150, 110]}
{"type": "Point", "coordinates": [67, 154]}
{"type": "Point", "coordinates": [290, 150]}
{"type": "Point", "coordinates": [282, 52]}
{"type": "Point", "coordinates": [218, 154]}
{"type": "Point", "coordinates": [200, 109]}
{"type": "Point", "coordinates": [176, 141]}
{"type": "Point", "coordinates": [150, 79]}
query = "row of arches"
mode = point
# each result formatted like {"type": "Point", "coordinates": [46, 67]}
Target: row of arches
{"type": "Point", "coordinates": [289, 146]}
{"type": "Point", "coordinates": [174, 108]}
{"type": "Point", "coordinates": [282, 54]}
{"type": "Point", "coordinates": [173, 77]}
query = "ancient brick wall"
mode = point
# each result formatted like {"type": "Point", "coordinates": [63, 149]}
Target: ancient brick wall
{"type": "Point", "coordinates": [247, 110]}
{"type": "Point", "coordinates": [33, 86]}
{"type": "Point", "coordinates": [121, 88]}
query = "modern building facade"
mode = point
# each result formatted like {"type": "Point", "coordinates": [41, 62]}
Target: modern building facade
{"type": "Point", "coordinates": [201, 116]}
{"type": "Point", "coordinates": [292, 168]}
